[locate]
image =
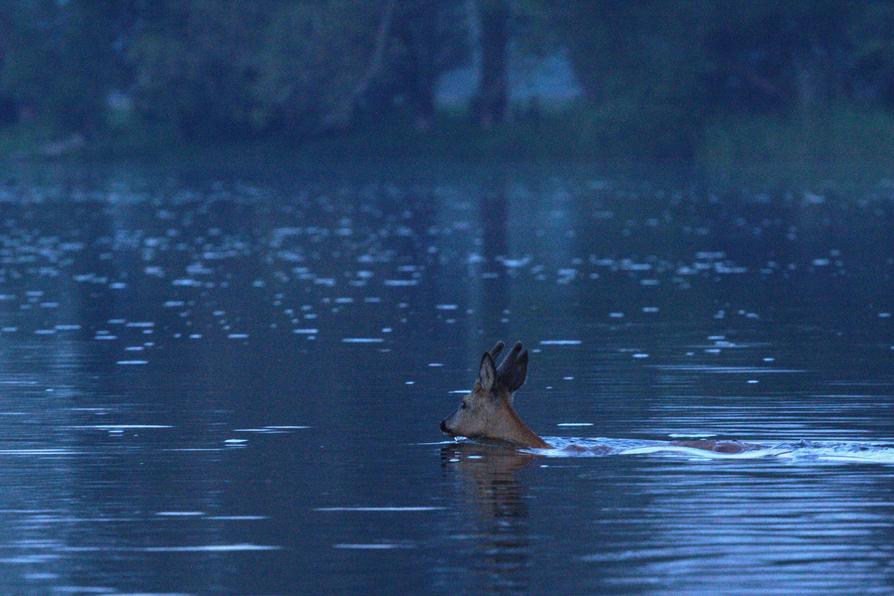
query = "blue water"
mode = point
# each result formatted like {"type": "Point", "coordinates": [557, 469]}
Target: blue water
{"type": "Point", "coordinates": [227, 379]}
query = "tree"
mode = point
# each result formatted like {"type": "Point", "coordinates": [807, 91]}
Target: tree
{"type": "Point", "coordinates": [640, 65]}
{"type": "Point", "coordinates": [429, 38]}
{"type": "Point", "coordinates": [489, 106]}
{"type": "Point", "coordinates": [872, 32]}
{"type": "Point", "coordinates": [195, 64]}
{"type": "Point", "coordinates": [324, 65]}
{"type": "Point", "coordinates": [60, 60]}
{"type": "Point", "coordinates": [770, 56]}
{"type": "Point", "coordinates": [318, 61]}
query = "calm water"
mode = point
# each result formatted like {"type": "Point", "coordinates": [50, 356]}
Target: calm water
{"type": "Point", "coordinates": [232, 382]}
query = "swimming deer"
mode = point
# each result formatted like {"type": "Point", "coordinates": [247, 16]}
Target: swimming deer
{"type": "Point", "coordinates": [487, 414]}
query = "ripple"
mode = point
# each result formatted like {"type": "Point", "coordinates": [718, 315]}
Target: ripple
{"type": "Point", "coordinates": [406, 509]}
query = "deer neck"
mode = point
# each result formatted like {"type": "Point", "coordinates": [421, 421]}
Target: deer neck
{"type": "Point", "coordinates": [518, 433]}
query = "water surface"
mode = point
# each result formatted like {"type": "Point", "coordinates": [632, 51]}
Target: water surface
{"type": "Point", "coordinates": [230, 381]}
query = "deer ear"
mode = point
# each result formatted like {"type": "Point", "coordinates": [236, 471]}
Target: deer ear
{"type": "Point", "coordinates": [487, 374]}
{"type": "Point", "coordinates": [516, 377]}
{"type": "Point", "coordinates": [522, 369]}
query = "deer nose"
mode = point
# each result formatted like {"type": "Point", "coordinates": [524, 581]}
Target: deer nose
{"type": "Point", "coordinates": [443, 426]}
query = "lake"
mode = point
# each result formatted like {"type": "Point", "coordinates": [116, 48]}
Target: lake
{"type": "Point", "coordinates": [224, 379]}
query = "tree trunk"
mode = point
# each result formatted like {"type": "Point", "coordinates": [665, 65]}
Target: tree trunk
{"type": "Point", "coordinates": [423, 69]}
{"type": "Point", "coordinates": [490, 104]}
{"type": "Point", "coordinates": [339, 117]}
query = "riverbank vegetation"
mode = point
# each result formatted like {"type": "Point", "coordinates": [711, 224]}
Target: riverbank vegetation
{"type": "Point", "coordinates": [806, 79]}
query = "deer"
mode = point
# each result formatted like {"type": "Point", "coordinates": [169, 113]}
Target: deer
{"type": "Point", "coordinates": [487, 413]}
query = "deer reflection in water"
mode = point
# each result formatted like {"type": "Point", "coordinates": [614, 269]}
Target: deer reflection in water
{"type": "Point", "coordinates": [488, 476]}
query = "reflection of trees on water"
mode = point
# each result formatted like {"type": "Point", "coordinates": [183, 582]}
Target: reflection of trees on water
{"type": "Point", "coordinates": [493, 298]}
{"type": "Point", "coordinates": [496, 502]}
{"type": "Point", "coordinates": [106, 485]}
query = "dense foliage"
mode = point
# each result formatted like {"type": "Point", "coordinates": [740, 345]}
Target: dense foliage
{"type": "Point", "coordinates": [651, 69]}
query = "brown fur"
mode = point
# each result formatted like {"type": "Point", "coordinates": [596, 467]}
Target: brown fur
{"type": "Point", "coordinates": [486, 413]}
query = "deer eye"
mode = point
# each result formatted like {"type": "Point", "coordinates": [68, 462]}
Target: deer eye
{"type": "Point", "coordinates": [464, 405]}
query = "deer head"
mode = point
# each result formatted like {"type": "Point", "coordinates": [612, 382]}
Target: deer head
{"type": "Point", "coordinates": [487, 413]}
